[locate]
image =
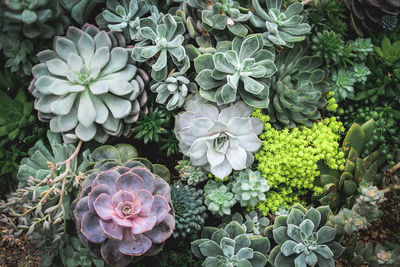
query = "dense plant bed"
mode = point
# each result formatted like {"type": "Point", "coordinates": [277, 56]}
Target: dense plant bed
{"type": "Point", "coordinates": [199, 133]}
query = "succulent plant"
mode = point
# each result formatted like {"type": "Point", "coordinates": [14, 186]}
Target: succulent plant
{"type": "Point", "coordinates": [340, 188]}
{"type": "Point", "coordinates": [81, 9]}
{"type": "Point", "coordinates": [164, 41]}
{"type": "Point", "coordinates": [298, 88]}
{"type": "Point", "coordinates": [252, 222]}
{"type": "Point", "coordinates": [348, 222]}
{"type": "Point", "coordinates": [358, 253]}
{"type": "Point", "coordinates": [389, 23]}
{"type": "Point", "coordinates": [385, 257]}
{"type": "Point", "coordinates": [173, 90]}
{"type": "Point", "coordinates": [151, 125]}
{"type": "Point", "coordinates": [368, 203]}
{"type": "Point", "coordinates": [283, 28]}
{"type": "Point", "coordinates": [249, 187]}
{"type": "Point", "coordinates": [366, 15]}
{"type": "Point", "coordinates": [231, 246]}
{"type": "Point", "coordinates": [189, 173]}
{"type": "Point", "coordinates": [219, 140]}
{"type": "Point", "coordinates": [123, 210]}
{"type": "Point", "coordinates": [303, 239]}
{"type": "Point", "coordinates": [123, 16]}
{"type": "Point", "coordinates": [34, 18]}
{"type": "Point", "coordinates": [87, 88]}
{"type": "Point", "coordinates": [218, 198]}
{"type": "Point", "coordinates": [389, 53]}
{"type": "Point", "coordinates": [244, 68]}
{"type": "Point", "coordinates": [19, 53]}
{"type": "Point", "coordinates": [328, 44]}
{"type": "Point", "coordinates": [343, 83]}
{"type": "Point", "coordinates": [360, 73]}
{"type": "Point", "coordinates": [190, 212]}
{"type": "Point", "coordinates": [222, 14]}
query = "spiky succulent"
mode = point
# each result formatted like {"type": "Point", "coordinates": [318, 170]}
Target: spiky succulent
{"type": "Point", "coordinates": [173, 90]}
{"type": "Point", "coordinates": [366, 15]}
{"type": "Point", "coordinates": [231, 246]}
{"type": "Point", "coordinates": [190, 212]}
{"type": "Point", "coordinates": [243, 68]}
{"type": "Point", "coordinates": [218, 198]}
{"type": "Point", "coordinates": [87, 87]}
{"type": "Point", "coordinates": [123, 211]}
{"type": "Point", "coordinates": [298, 88]}
{"type": "Point", "coordinates": [252, 222]}
{"type": "Point", "coordinates": [190, 173]}
{"type": "Point", "coordinates": [368, 203]}
{"type": "Point", "coordinates": [216, 138]}
{"type": "Point", "coordinates": [151, 125]}
{"type": "Point", "coordinates": [282, 27]}
{"type": "Point", "coordinates": [164, 42]}
{"type": "Point", "coordinates": [222, 14]}
{"type": "Point", "coordinates": [19, 53]}
{"type": "Point", "coordinates": [249, 187]}
{"type": "Point", "coordinates": [328, 44]}
{"type": "Point", "coordinates": [80, 10]}
{"type": "Point", "coordinates": [340, 187]}
{"type": "Point", "coordinates": [303, 239]}
{"type": "Point", "coordinates": [348, 222]}
{"type": "Point", "coordinates": [34, 18]}
{"type": "Point", "coordinates": [123, 16]}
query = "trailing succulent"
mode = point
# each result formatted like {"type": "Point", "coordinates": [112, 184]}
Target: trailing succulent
{"type": "Point", "coordinates": [163, 44]}
{"type": "Point", "coordinates": [298, 88]}
{"type": "Point", "coordinates": [190, 212]}
{"type": "Point", "coordinates": [252, 222]}
{"type": "Point", "coordinates": [218, 198]}
{"type": "Point", "coordinates": [340, 188]}
{"type": "Point", "coordinates": [303, 239]}
{"type": "Point", "coordinates": [348, 222]}
{"type": "Point", "coordinates": [231, 246]}
{"type": "Point", "coordinates": [189, 173]}
{"type": "Point", "coordinates": [218, 139]}
{"type": "Point", "coordinates": [282, 28]}
{"type": "Point", "coordinates": [173, 90]}
{"type": "Point", "coordinates": [34, 18]}
{"type": "Point", "coordinates": [123, 16]}
{"type": "Point", "coordinates": [241, 68]}
{"type": "Point", "coordinates": [123, 210]}
{"type": "Point", "coordinates": [249, 187]}
{"type": "Point", "coordinates": [221, 14]}
{"type": "Point", "coordinates": [88, 88]}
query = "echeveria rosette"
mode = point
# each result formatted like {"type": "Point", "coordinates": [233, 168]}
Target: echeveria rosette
{"type": "Point", "coordinates": [165, 41]}
{"type": "Point", "coordinates": [222, 14]}
{"type": "Point", "coordinates": [282, 28]}
{"type": "Point", "coordinates": [244, 70]}
{"type": "Point", "coordinates": [124, 213]}
{"type": "Point", "coordinates": [34, 18]}
{"type": "Point", "coordinates": [298, 88]}
{"type": "Point", "coordinates": [218, 200]}
{"type": "Point", "coordinates": [173, 90]}
{"type": "Point", "coordinates": [123, 16]}
{"type": "Point", "coordinates": [249, 187]}
{"type": "Point", "coordinates": [219, 140]}
{"type": "Point", "coordinates": [231, 246]}
{"type": "Point", "coordinates": [80, 10]}
{"type": "Point", "coordinates": [303, 239]}
{"type": "Point", "coordinates": [87, 87]}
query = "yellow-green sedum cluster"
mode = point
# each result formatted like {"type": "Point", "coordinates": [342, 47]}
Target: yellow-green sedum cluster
{"type": "Point", "coordinates": [288, 159]}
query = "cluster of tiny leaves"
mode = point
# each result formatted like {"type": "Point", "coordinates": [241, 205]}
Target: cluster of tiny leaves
{"type": "Point", "coordinates": [288, 159]}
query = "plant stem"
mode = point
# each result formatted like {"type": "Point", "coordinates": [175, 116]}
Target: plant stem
{"type": "Point", "coordinates": [389, 189]}
{"type": "Point", "coordinates": [305, 2]}
{"type": "Point", "coordinates": [393, 169]}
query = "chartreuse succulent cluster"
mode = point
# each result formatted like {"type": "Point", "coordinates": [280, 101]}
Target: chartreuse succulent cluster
{"type": "Point", "coordinates": [282, 28]}
{"type": "Point", "coordinates": [218, 139]}
{"type": "Point", "coordinates": [190, 212]}
{"type": "Point", "coordinates": [288, 159]}
{"type": "Point", "coordinates": [163, 44]}
{"type": "Point", "coordinates": [340, 186]}
{"type": "Point", "coordinates": [123, 210]}
{"type": "Point", "coordinates": [241, 68]}
{"type": "Point", "coordinates": [231, 246]}
{"type": "Point", "coordinates": [40, 206]}
{"type": "Point", "coordinates": [303, 238]}
{"type": "Point", "coordinates": [249, 187]}
{"type": "Point", "coordinates": [189, 173]}
{"type": "Point", "coordinates": [88, 88]}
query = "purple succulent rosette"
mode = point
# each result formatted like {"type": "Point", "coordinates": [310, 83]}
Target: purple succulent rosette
{"type": "Point", "coordinates": [124, 213]}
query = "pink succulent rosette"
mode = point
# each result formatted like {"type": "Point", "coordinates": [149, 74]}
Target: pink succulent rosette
{"type": "Point", "coordinates": [124, 213]}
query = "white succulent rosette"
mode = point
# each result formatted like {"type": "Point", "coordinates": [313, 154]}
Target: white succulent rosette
{"type": "Point", "coordinates": [88, 87]}
{"type": "Point", "coordinates": [218, 139]}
